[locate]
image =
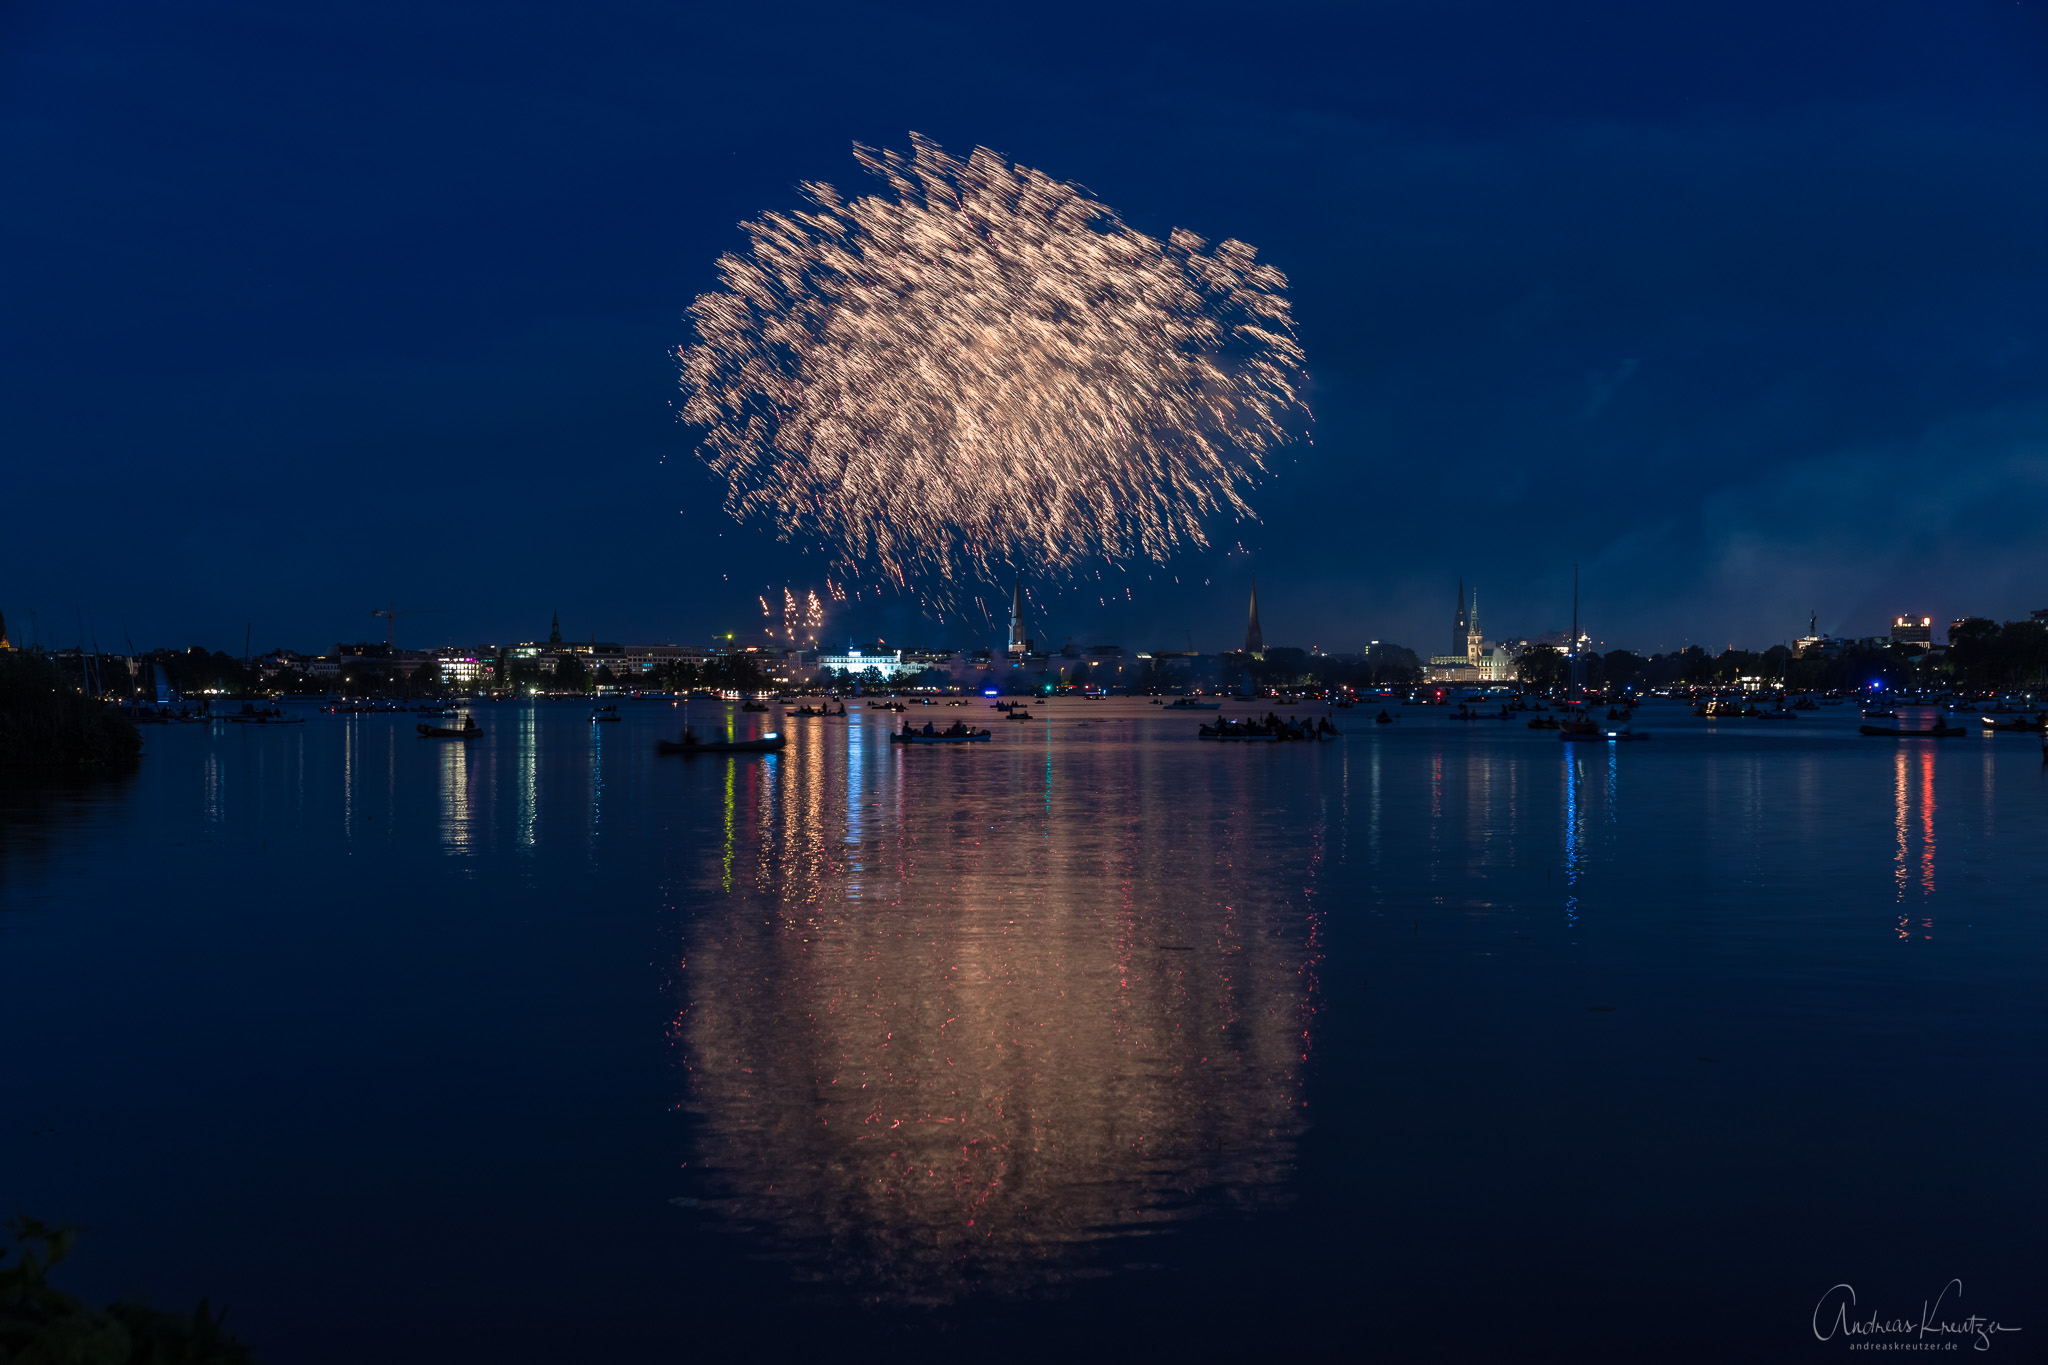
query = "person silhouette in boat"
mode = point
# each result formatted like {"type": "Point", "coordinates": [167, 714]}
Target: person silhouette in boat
{"type": "Point", "coordinates": [689, 734]}
{"type": "Point", "coordinates": [469, 722]}
{"type": "Point", "coordinates": [928, 728]}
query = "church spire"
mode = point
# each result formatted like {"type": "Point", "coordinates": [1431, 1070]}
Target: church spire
{"type": "Point", "coordinates": [1019, 644]}
{"type": "Point", "coordinates": [1254, 638]}
{"type": "Point", "coordinates": [555, 630]}
{"type": "Point", "coordinates": [1461, 626]}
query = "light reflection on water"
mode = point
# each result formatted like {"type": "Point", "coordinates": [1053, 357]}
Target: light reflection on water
{"type": "Point", "coordinates": [455, 797]}
{"type": "Point", "coordinates": [1049, 1029]}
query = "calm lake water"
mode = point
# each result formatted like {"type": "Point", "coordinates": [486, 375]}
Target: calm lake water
{"type": "Point", "coordinates": [1437, 1040]}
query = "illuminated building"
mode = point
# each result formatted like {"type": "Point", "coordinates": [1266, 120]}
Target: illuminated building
{"type": "Point", "coordinates": [884, 664]}
{"type": "Point", "coordinates": [1470, 660]}
{"type": "Point", "coordinates": [1913, 630]}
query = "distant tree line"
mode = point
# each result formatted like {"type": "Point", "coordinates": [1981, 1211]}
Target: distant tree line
{"type": "Point", "coordinates": [1982, 656]}
{"type": "Point", "coordinates": [47, 721]}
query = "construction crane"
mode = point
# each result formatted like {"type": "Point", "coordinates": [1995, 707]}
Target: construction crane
{"type": "Point", "coordinates": [392, 612]}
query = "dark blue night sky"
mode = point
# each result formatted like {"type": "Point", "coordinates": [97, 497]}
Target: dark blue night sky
{"type": "Point", "coordinates": [1744, 308]}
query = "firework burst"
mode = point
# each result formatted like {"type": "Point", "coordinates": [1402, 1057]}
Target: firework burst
{"type": "Point", "coordinates": [985, 368]}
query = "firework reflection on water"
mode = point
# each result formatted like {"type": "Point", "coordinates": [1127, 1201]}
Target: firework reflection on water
{"type": "Point", "coordinates": [933, 1057]}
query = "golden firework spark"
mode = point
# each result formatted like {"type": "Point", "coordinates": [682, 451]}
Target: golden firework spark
{"type": "Point", "coordinates": [984, 369]}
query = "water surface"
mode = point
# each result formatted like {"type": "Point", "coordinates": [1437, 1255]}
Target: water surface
{"type": "Point", "coordinates": [1438, 1038]}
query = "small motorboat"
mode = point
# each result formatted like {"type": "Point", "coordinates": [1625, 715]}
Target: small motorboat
{"type": "Point", "coordinates": [760, 708]}
{"type": "Point", "coordinates": [1192, 704]}
{"type": "Point", "coordinates": [466, 730]}
{"type": "Point", "coordinates": [1383, 718]}
{"type": "Point", "coordinates": [690, 744]}
{"type": "Point", "coordinates": [1018, 713]}
{"type": "Point", "coordinates": [604, 713]}
{"type": "Point", "coordinates": [2007, 727]}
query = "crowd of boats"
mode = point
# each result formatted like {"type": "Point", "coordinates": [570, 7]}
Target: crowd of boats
{"type": "Point", "coordinates": [1271, 730]}
{"type": "Point", "coordinates": [1571, 720]}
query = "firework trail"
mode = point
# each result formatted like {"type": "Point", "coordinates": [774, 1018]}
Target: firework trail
{"type": "Point", "coordinates": [985, 368]}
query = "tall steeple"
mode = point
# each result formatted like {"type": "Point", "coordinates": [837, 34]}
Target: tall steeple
{"type": "Point", "coordinates": [1461, 630]}
{"type": "Point", "coordinates": [555, 630]}
{"type": "Point", "coordinates": [1019, 643]}
{"type": "Point", "coordinates": [1254, 638]}
{"type": "Point", "coordinates": [1475, 643]}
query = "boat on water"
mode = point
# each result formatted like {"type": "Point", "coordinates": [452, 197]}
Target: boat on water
{"type": "Point", "coordinates": [1270, 730]}
{"type": "Point", "coordinates": [2014, 727]}
{"type": "Point", "coordinates": [1384, 719]}
{"type": "Point", "coordinates": [956, 733]}
{"type": "Point", "coordinates": [814, 711]}
{"type": "Point", "coordinates": [250, 715]}
{"type": "Point", "coordinates": [762, 707]}
{"type": "Point", "coordinates": [604, 713]}
{"type": "Point", "coordinates": [1239, 733]}
{"type": "Point", "coordinates": [466, 730]}
{"type": "Point", "coordinates": [1191, 704]}
{"type": "Point", "coordinates": [1579, 727]}
{"type": "Point", "coordinates": [1018, 713]}
{"type": "Point", "coordinates": [1941, 729]}
{"type": "Point", "coordinates": [690, 744]}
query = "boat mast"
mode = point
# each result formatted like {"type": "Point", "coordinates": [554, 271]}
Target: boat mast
{"type": "Point", "coordinates": [1576, 666]}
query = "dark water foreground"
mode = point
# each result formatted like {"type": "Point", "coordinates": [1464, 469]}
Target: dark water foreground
{"type": "Point", "coordinates": [1436, 1041]}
